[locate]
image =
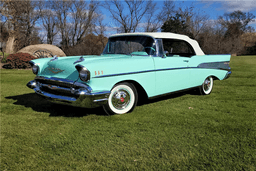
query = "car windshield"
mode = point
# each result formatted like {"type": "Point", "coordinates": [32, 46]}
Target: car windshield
{"type": "Point", "coordinates": [133, 45]}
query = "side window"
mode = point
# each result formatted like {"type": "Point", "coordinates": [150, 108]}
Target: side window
{"type": "Point", "coordinates": [177, 47]}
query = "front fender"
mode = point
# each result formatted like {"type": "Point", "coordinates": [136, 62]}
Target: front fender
{"type": "Point", "coordinates": [104, 75]}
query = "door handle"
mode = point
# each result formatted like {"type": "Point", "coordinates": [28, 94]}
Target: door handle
{"type": "Point", "coordinates": [185, 60]}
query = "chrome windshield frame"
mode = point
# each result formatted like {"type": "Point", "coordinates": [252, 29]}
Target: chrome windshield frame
{"type": "Point", "coordinates": [159, 48]}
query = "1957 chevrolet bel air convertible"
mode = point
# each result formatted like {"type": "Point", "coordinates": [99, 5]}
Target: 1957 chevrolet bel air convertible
{"type": "Point", "coordinates": [130, 65]}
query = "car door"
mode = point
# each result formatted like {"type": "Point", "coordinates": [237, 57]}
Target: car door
{"type": "Point", "coordinates": [172, 69]}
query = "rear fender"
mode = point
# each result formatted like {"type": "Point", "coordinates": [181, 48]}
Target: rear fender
{"type": "Point", "coordinates": [204, 66]}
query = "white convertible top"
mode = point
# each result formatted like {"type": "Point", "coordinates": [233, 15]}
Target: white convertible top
{"type": "Point", "coordinates": [166, 35]}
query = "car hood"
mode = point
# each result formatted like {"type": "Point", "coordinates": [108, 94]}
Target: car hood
{"type": "Point", "coordinates": [64, 67]}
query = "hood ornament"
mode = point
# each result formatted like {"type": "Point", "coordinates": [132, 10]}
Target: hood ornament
{"type": "Point", "coordinates": [79, 60]}
{"type": "Point", "coordinates": [54, 58]}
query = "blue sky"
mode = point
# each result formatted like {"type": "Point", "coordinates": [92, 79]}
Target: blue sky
{"type": "Point", "coordinates": [217, 8]}
{"type": "Point", "coordinates": [212, 8]}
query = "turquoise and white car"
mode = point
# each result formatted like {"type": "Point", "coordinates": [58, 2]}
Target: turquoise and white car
{"type": "Point", "coordinates": [132, 66]}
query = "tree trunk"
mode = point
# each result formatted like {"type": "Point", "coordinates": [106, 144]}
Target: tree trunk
{"type": "Point", "coordinates": [10, 45]}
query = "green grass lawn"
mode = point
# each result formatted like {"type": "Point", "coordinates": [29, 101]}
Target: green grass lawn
{"type": "Point", "coordinates": [177, 132]}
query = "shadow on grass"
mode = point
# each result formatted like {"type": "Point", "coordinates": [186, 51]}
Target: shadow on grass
{"type": "Point", "coordinates": [145, 101]}
{"type": "Point", "coordinates": [40, 104]}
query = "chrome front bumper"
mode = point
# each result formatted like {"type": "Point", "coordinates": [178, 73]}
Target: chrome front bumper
{"type": "Point", "coordinates": [68, 92]}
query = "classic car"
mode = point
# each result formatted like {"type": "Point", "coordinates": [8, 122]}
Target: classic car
{"type": "Point", "coordinates": [132, 65]}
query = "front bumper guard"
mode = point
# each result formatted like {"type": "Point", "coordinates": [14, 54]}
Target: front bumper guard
{"type": "Point", "coordinates": [80, 97]}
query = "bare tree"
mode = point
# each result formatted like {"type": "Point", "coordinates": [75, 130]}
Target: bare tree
{"type": "Point", "coordinates": [62, 10]}
{"type": "Point", "coordinates": [152, 19]}
{"type": "Point", "coordinates": [100, 29]}
{"type": "Point", "coordinates": [235, 24]}
{"type": "Point", "coordinates": [3, 27]}
{"type": "Point", "coordinates": [74, 19]}
{"type": "Point", "coordinates": [195, 19]}
{"type": "Point", "coordinates": [210, 38]}
{"type": "Point", "coordinates": [83, 16]}
{"type": "Point", "coordinates": [22, 18]}
{"type": "Point", "coordinates": [241, 19]}
{"type": "Point", "coordinates": [128, 21]}
{"type": "Point", "coordinates": [156, 20]}
{"type": "Point", "coordinates": [4, 32]}
{"type": "Point", "coordinates": [49, 20]}
{"type": "Point", "coordinates": [29, 19]}
{"type": "Point", "coordinates": [167, 11]}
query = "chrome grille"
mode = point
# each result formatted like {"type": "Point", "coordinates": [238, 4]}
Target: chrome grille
{"type": "Point", "coordinates": [60, 92]}
{"type": "Point", "coordinates": [61, 87]}
{"type": "Point", "coordinates": [56, 83]}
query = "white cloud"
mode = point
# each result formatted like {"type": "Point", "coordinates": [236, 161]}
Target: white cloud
{"type": "Point", "coordinates": [253, 24]}
{"type": "Point", "coordinates": [234, 5]}
{"type": "Point", "coordinates": [112, 29]}
{"type": "Point", "coordinates": [242, 5]}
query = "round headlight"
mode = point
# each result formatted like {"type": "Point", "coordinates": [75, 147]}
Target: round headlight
{"type": "Point", "coordinates": [35, 69]}
{"type": "Point", "coordinates": [84, 74]}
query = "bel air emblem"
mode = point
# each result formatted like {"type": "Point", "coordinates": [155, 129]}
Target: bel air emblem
{"type": "Point", "coordinates": [55, 70]}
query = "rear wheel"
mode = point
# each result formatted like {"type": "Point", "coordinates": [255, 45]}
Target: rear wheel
{"type": "Point", "coordinates": [122, 99]}
{"type": "Point", "coordinates": [206, 87]}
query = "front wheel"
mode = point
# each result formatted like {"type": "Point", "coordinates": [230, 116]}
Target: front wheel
{"type": "Point", "coordinates": [122, 99]}
{"type": "Point", "coordinates": [206, 87]}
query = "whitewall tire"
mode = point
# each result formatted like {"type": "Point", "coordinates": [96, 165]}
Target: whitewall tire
{"type": "Point", "coordinates": [206, 87]}
{"type": "Point", "coordinates": [122, 99]}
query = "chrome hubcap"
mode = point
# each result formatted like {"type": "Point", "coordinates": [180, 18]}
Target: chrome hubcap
{"type": "Point", "coordinates": [207, 84]}
{"type": "Point", "coordinates": [121, 99]}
